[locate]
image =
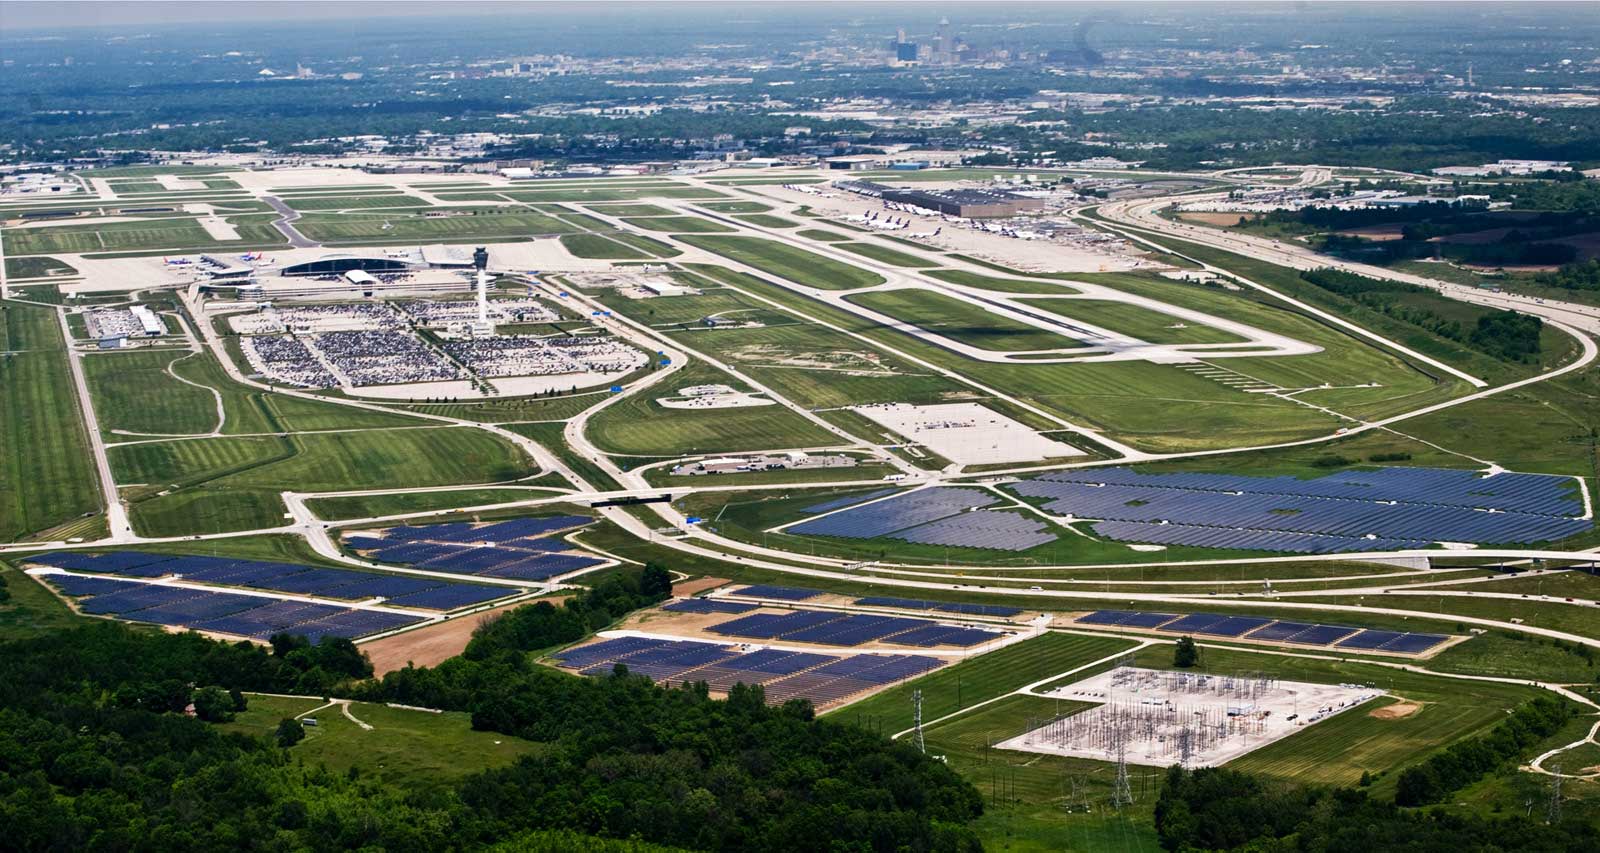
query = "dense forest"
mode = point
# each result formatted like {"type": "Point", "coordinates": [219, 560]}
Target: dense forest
{"type": "Point", "coordinates": [1506, 335]}
{"type": "Point", "coordinates": [97, 754]}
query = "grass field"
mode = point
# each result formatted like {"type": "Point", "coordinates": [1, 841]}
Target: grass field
{"type": "Point", "coordinates": [549, 436]}
{"type": "Point", "coordinates": [354, 202]}
{"type": "Point", "coordinates": [638, 425]}
{"type": "Point", "coordinates": [407, 225]}
{"type": "Point", "coordinates": [600, 246]}
{"type": "Point", "coordinates": [824, 236]}
{"type": "Point", "coordinates": [170, 234]}
{"type": "Point", "coordinates": [884, 254]}
{"type": "Point", "coordinates": [369, 506]}
{"type": "Point", "coordinates": [678, 224]}
{"type": "Point", "coordinates": [30, 610]}
{"type": "Point", "coordinates": [648, 245]}
{"type": "Point", "coordinates": [631, 210]}
{"type": "Point", "coordinates": [765, 220]}
{"type": "Point", "coordinates": [411, 750]}
{"type": "Point", "coordinates": [46, 472]}
{"type": "Point", "coordinates": [515, 409]}
{"type": "Point", "coordinates": [577, 193]}
{"type": "Point", "coordinates": [795, 264]}
{"type": "Point", "coordinates": [221, 484]}
{"type": "Point", "coordinates": [1003, 285]}
{"type": "Point", "coordinates": [952, 688]}
{"type": "Point", "coordinates": [1142, 323]}
{"type": "Point", "coordinates": [961, 321]}
{"type": "Point", "coordinates": [37, 267]}
{"type": "Point", "coordinates": [736, 206]}
{"type": "Point", "coordinates": [252, 411]}
{"type": "Point", "coordinates": [133, 392]}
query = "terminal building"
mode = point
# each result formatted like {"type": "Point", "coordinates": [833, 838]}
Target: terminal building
{"type": "Point", "coordinates": [967, 204]}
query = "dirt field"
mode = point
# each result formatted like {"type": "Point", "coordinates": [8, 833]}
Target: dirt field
{"type": "Point", "coordinates": [433, 644]}
{"type": "Point", "coordinates": [695, 586]}
{"type": "Point", "coordinates": [1395, 711]}
{"type": "Point", "coordinates": [1225, 220]}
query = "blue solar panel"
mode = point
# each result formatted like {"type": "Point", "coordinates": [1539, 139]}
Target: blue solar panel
{"type": "Point", "coordinates": [452, 596]}
{"type": "Point", "coordinates": [785, 593]}
{"type": "Point", "coordinates": [1369, 639]}
{"type": "Point", "coordinates": [837, 503]}
{"type": "Point", "coordinates": [899, 513]}
{"type": "Point", "coordinates": [707, 605]}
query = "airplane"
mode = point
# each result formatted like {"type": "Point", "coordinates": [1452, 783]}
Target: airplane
{"type": "Point", "coordinates": [176, 262]}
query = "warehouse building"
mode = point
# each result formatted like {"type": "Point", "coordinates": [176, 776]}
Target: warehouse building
{"type": "Point", "coordinates": [967, 204]}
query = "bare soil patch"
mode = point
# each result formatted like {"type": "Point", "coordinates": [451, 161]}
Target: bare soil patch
{"type": "Point", "coordinates": [1225, 220]}
{"type": "Point", "coordinates": [434, 644]}
{"type": "Point", "coordinates": [694, 586]}
{"type": "Point", "coordinates": [1395, 711]}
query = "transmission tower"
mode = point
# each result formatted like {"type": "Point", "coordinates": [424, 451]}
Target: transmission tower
{"type": "Point", "coordinates": [916, 708]}
{"type": "Point", "coordinates": [1553, 811]}
{"type": "Point", "coordinates": [1122, 792]}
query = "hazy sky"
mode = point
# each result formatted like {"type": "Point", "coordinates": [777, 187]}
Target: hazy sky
{"type": "Point", "coordinates": [30, 14]}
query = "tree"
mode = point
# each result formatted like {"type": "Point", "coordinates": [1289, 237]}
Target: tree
{"type": "Point", "coordinates": [655, 582]}
{"type": "Point", "coordinates": [289, 732]}
{"type": "Point", "coordinates": [213, 704]}
{"type": "Point", "coordinates": [1185, 653]}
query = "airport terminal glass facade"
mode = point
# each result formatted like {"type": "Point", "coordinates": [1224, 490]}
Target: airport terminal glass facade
{"type": "Point", "coordinates": [345, 263]}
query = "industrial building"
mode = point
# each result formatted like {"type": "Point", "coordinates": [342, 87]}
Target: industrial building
{"type": "Point", "coordinates": [965, 203]}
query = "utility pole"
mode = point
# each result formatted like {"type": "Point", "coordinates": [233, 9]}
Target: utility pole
{"type": "Point", "coordinates": [916, 704]}
{"type": "Point", "coordinates": [1553, 811]}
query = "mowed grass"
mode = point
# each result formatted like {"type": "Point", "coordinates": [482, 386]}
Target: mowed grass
{"type": "Point", "coordinates": [354, 202]}
{"type": "Point", "coordinates": [37, 267]}
{"type": "Point", "coordinates": [1132, 401]}
{"type": "Point", "coordinates": [1142, 323]}
{"type": "Point", "coordinates": [736, 206]}
{"type": "Point", "coordinates": [177, 233]}
{"type": "Point", "coordinates": [960, 320]}
{"type": "Point", "coordinates": [631, 210]}
{"type": "Point", "coordinates": [629, 193]}
{"type": "Point", "coordinates": [1003, 285]}
{"type": "Point", "coordinates": [251, 411]}
{"type": "Point", "coordinates": [414, 750]}
{"type": "Point", "coordinates": [332, 227]}
{"type": "Point", "coordinates": [884, 254]}
{"type": "Point", "coordinates": [601, 247]}
{"type": "Point", "coordinates": [1338, 749]}
{"type": "Point", "coordinates": [795, 264]}
{"type": "Point", "coordinates": [134, 392]}
{"type": "Point", "coordinates": [372, 506]}
{"type": "Point", "coordinates": [678, 224]}
{"type": "Point", "coordinates": [46, 471]}
{"type": "Point", "coordinates": [824, 236]}
{"type": "Point", "coordinates": [232, 483]}
{"type": "Point", "coordinates": [764, 220]}
{"type": "Point", "coordinates": [952, 688]}
{"type": "Point", "coordinates": [638, 425]}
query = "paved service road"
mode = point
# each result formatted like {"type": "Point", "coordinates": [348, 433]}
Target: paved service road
{"type": "Point", "coordinates": [284, 223]}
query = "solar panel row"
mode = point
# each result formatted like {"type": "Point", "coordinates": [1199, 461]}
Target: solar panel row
{"type": "Point", "coordinates": [707, 605]}
{"type": "Point", "coordinates": [518, 549]}
{"type": "Point", "coordinates": [945, 606]}
{"type": "Point", "coordinates": [252, 616]}
{"type": "Point", "coordinates": [1387, 509]}
{"type": "Point", "coordinates": [783, 675]}
{"type": "Point", "coordinates": [1259, 628]}
{"type": "Point", "coordinates": [783, 593]}
{"type": "Point", "coordinates": [289, 578]}
{"type": "Point", "coordinates": [850, 629]}
{"type": "Point", "coordinates": [898, 513]}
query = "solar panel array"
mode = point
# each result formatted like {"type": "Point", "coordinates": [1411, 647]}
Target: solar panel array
{"type": "Point", "coordinates": [291, 578]}
{"type": "Point", "coordinates": [516, 549]}
{"type": "Point", "coordinates": [1385, 509]}
{"type": "Point", "coordinates": [851, 629]}
{"type": "Point", "coordinates": [254, 616]}
{"type": "Point", "coordinates": [1259, 628]}
{"type": "Point", "coordinates": [784, 593]}
{"type": "Point", "coordinates": [937, 516]}
{"type": "Point", "coordinates": [708, 605]}
{"type": "Point", "coordinates": [836, 503]}
{"type": "Point", "coordinates": [783, 675]}
{"type": "Point", "coordinates": [985, 528]}
{"type": "Point", "coordinates": [945, 606]}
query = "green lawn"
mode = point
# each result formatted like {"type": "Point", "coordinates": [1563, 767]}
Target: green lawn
{"type": "Point", "coordinates": [411, 750]}
{"type": "Point", "coordinates": [886, 255]}
{"type": "Point", "coordinates": [824, 236]}
{"type": "Point", "coordinates": [133, 392]}
{"type": "Point", "coordinates": [631, 210]}
{"type": "Point", "coordinates": [549, 436]}
{"type": "Point", "coordinates": [961, 320]}
{"type": "Point", "coordinates": [1142, 323]}
{"type": "Point", "coordinates": [36, 267]}
{"type": "Point", "coordinates": [410, 224]}
{"type": "Point", "coordinates": [171, 234]}
{"type": "Point", "coordinates": [952, 688]}
{"type": "Point", "coordinates": [220, 484]}
{"type": "Point", "coordinates": [599, 246]}
{"type": "Point", "coordinates": [1003, 285]}
{"type": "Point", "coordinates": [785, 261]}
{"type": "Point", "coordinates": [354, 202]}
{"type": "Point", "coordinates": [638, 425]}
{"type": "Point", "coordinates": [46, 473]}
{"type": "Point", "coordinates": [736, 206]}
{"type": "Point", "coordinates": [679, 224]}
{"type": "Point", "coordinates": [368, 506]}
{"type": "Point", "coordinates": [768, 221]}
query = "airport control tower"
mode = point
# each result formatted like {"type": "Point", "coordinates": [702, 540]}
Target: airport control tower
{"type": "Point", "coordinates": [482, 328]}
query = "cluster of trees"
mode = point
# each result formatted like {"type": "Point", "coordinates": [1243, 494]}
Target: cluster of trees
{"type": "Point", "coordinates": [96, 753]}
{"type": "Point", "coordinates": [1218, 809]}
{"type": "Point", "coordinates": [1506, 335]}
{"type": "Point", "coordinates": [1469, 760]}
{"type": "Point", "coordinates": [1578, 276]}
